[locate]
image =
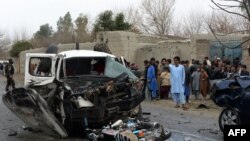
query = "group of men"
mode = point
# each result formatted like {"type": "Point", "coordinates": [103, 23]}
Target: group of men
{"type": "Point", "coordinates": [177, 80]}
{"type": "Point", "coordinates": [180, 78]}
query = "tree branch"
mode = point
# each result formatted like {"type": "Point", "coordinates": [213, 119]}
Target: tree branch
{"type": "Point", "coordinates": [225, 46]}
{"type": "Point", "coordinates": [231, 12]}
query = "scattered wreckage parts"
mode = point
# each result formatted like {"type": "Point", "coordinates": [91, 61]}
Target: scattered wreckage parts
{"type": "Point", "coordinates": [12, 133]}
{"type": "Point", "coordinates": [212, 131]}
{"type": "Point", "coordinates": [202, 106]}
{"type": "Point", "coordinates": [130, 130]}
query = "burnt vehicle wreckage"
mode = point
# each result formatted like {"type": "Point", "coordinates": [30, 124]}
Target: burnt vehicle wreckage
{"type": "Point", "coordinates": [82, 92]}
{"type": "Point", "coordinates": [234, 96]}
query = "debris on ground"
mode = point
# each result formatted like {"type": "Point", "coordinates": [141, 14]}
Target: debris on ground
{"type": "Point", "coordinates": [146, 113]}
{"type": "Point", "coordinates": [208, 131]}
{"type": "Point", "coordinates": [202, 106]}
{"type": "Point", "coordinates": [131, 129]}
{"type": "Point", "coordinates": [184, 122]}
{"type": "Point", "coordinates": [12, 133]}
{"type": "Point", "coordinates": [26, 128]}
{"type": "Point", "coordinates": [214, 132]}
{"type": "Point", "coordinates": [187, 139]}
{"type": "Point", "coordinates": [202, 130]}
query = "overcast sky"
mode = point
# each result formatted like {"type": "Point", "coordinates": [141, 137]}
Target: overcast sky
{"type": "Point", "coordinates": [28, 15]}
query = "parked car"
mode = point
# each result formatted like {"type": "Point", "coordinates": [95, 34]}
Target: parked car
{"type": "Point", "coordinates": [66, 93]}
{"type": "Point", "coordinates": [234, 96]}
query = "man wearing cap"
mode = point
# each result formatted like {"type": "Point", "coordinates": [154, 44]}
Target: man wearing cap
{"type": "Point", "coordinates": [9, 71]}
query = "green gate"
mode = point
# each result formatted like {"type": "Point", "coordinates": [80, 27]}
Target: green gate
{"type": "Point", "coordinates": [230, 49]}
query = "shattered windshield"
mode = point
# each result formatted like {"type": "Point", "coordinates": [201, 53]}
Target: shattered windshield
{"type": "Point", "coordinates": [114, 69]}
{"type": "Point", "coordinates": [103, 66]}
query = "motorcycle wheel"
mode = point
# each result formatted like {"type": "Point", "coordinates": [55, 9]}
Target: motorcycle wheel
{"type": "Point", "coordinates": [229, 116]}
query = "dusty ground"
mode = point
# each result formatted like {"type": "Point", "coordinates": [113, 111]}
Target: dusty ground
{"type": "Point", "coordinates": [191, 125]}
{"type": "Point", "coordinates": [212, 112]}
{"type": "Point", "coordinates": [194, 124]}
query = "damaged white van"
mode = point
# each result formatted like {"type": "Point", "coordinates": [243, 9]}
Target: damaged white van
{"type": "Point", "coordinates": [71, 91]}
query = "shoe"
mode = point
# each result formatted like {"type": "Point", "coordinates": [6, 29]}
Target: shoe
{"type": "Point", "coordinates": [185, 108]}
{"type": "Point", "coordinates": [177, 106]}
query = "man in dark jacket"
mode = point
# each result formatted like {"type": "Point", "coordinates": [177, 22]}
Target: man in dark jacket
{"type": "Point", "coordinates": [9, 72]}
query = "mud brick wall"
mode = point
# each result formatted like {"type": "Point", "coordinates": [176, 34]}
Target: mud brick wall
{"type": "Point", "coordinates": [202, 49]}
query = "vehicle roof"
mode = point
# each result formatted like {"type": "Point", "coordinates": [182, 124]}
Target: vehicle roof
{"type": "Point", "coordinates": [84, 53]}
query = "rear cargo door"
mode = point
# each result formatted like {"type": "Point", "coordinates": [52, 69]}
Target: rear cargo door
{"type": "Point", "coordinates": [39, 69]}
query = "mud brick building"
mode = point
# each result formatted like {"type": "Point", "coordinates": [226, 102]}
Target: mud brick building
{"type": "Point", "coordinates": [138, 47]}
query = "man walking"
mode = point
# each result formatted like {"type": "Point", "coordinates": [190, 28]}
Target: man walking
{"type": "Point", "coordinates": [177, 79]}
{"type": "Point", "coordinates": [9, 71]}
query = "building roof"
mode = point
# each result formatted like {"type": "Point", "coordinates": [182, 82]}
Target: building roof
{"type": "Point", "coordinates": [84, 53]}
{"type": "Point", "coordinates": [175, 41]}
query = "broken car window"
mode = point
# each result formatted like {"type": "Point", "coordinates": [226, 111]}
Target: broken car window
{"type": "Point", "coordinates": [114, 69]}
{"type": "Point", "coordinates": [40, 67]}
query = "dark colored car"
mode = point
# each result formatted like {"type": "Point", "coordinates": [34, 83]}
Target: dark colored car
{"type": "Point", "coordinates": [234, 96]}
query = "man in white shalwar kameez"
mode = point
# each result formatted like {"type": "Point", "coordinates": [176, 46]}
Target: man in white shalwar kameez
{"type": "Point", "coordinates": [177, 79]}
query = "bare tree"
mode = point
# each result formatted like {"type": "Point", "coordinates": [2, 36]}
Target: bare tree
{"type": "Point", "coordinates": [243, 25]}
{"type": "Point", "coordinates": [132, 16]}
{"type": "Point", "coordinates": [82, 34]}
{"type": "Point", "coordinates": [194, 23]}
{"type": "Point", "coordinates": [229, 6]}
{"type": "Point", "coordinates": [156, 16]}
{"type": "Point", "coordinates": [221, 22]}
{"type": "Point", "coordinates": [240, 8]}
{"type": "Point", "coordinates": [177, 28]}
{"type": "Point", "coordinates": [21, 35]}
{"type": "Point", "coordinates": [5, 40]}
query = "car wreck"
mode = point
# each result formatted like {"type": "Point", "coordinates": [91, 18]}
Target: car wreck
{"type": "Point", "coordinates": [234, 96]}
{"type": "Point", "coordinates": [74, 91]}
